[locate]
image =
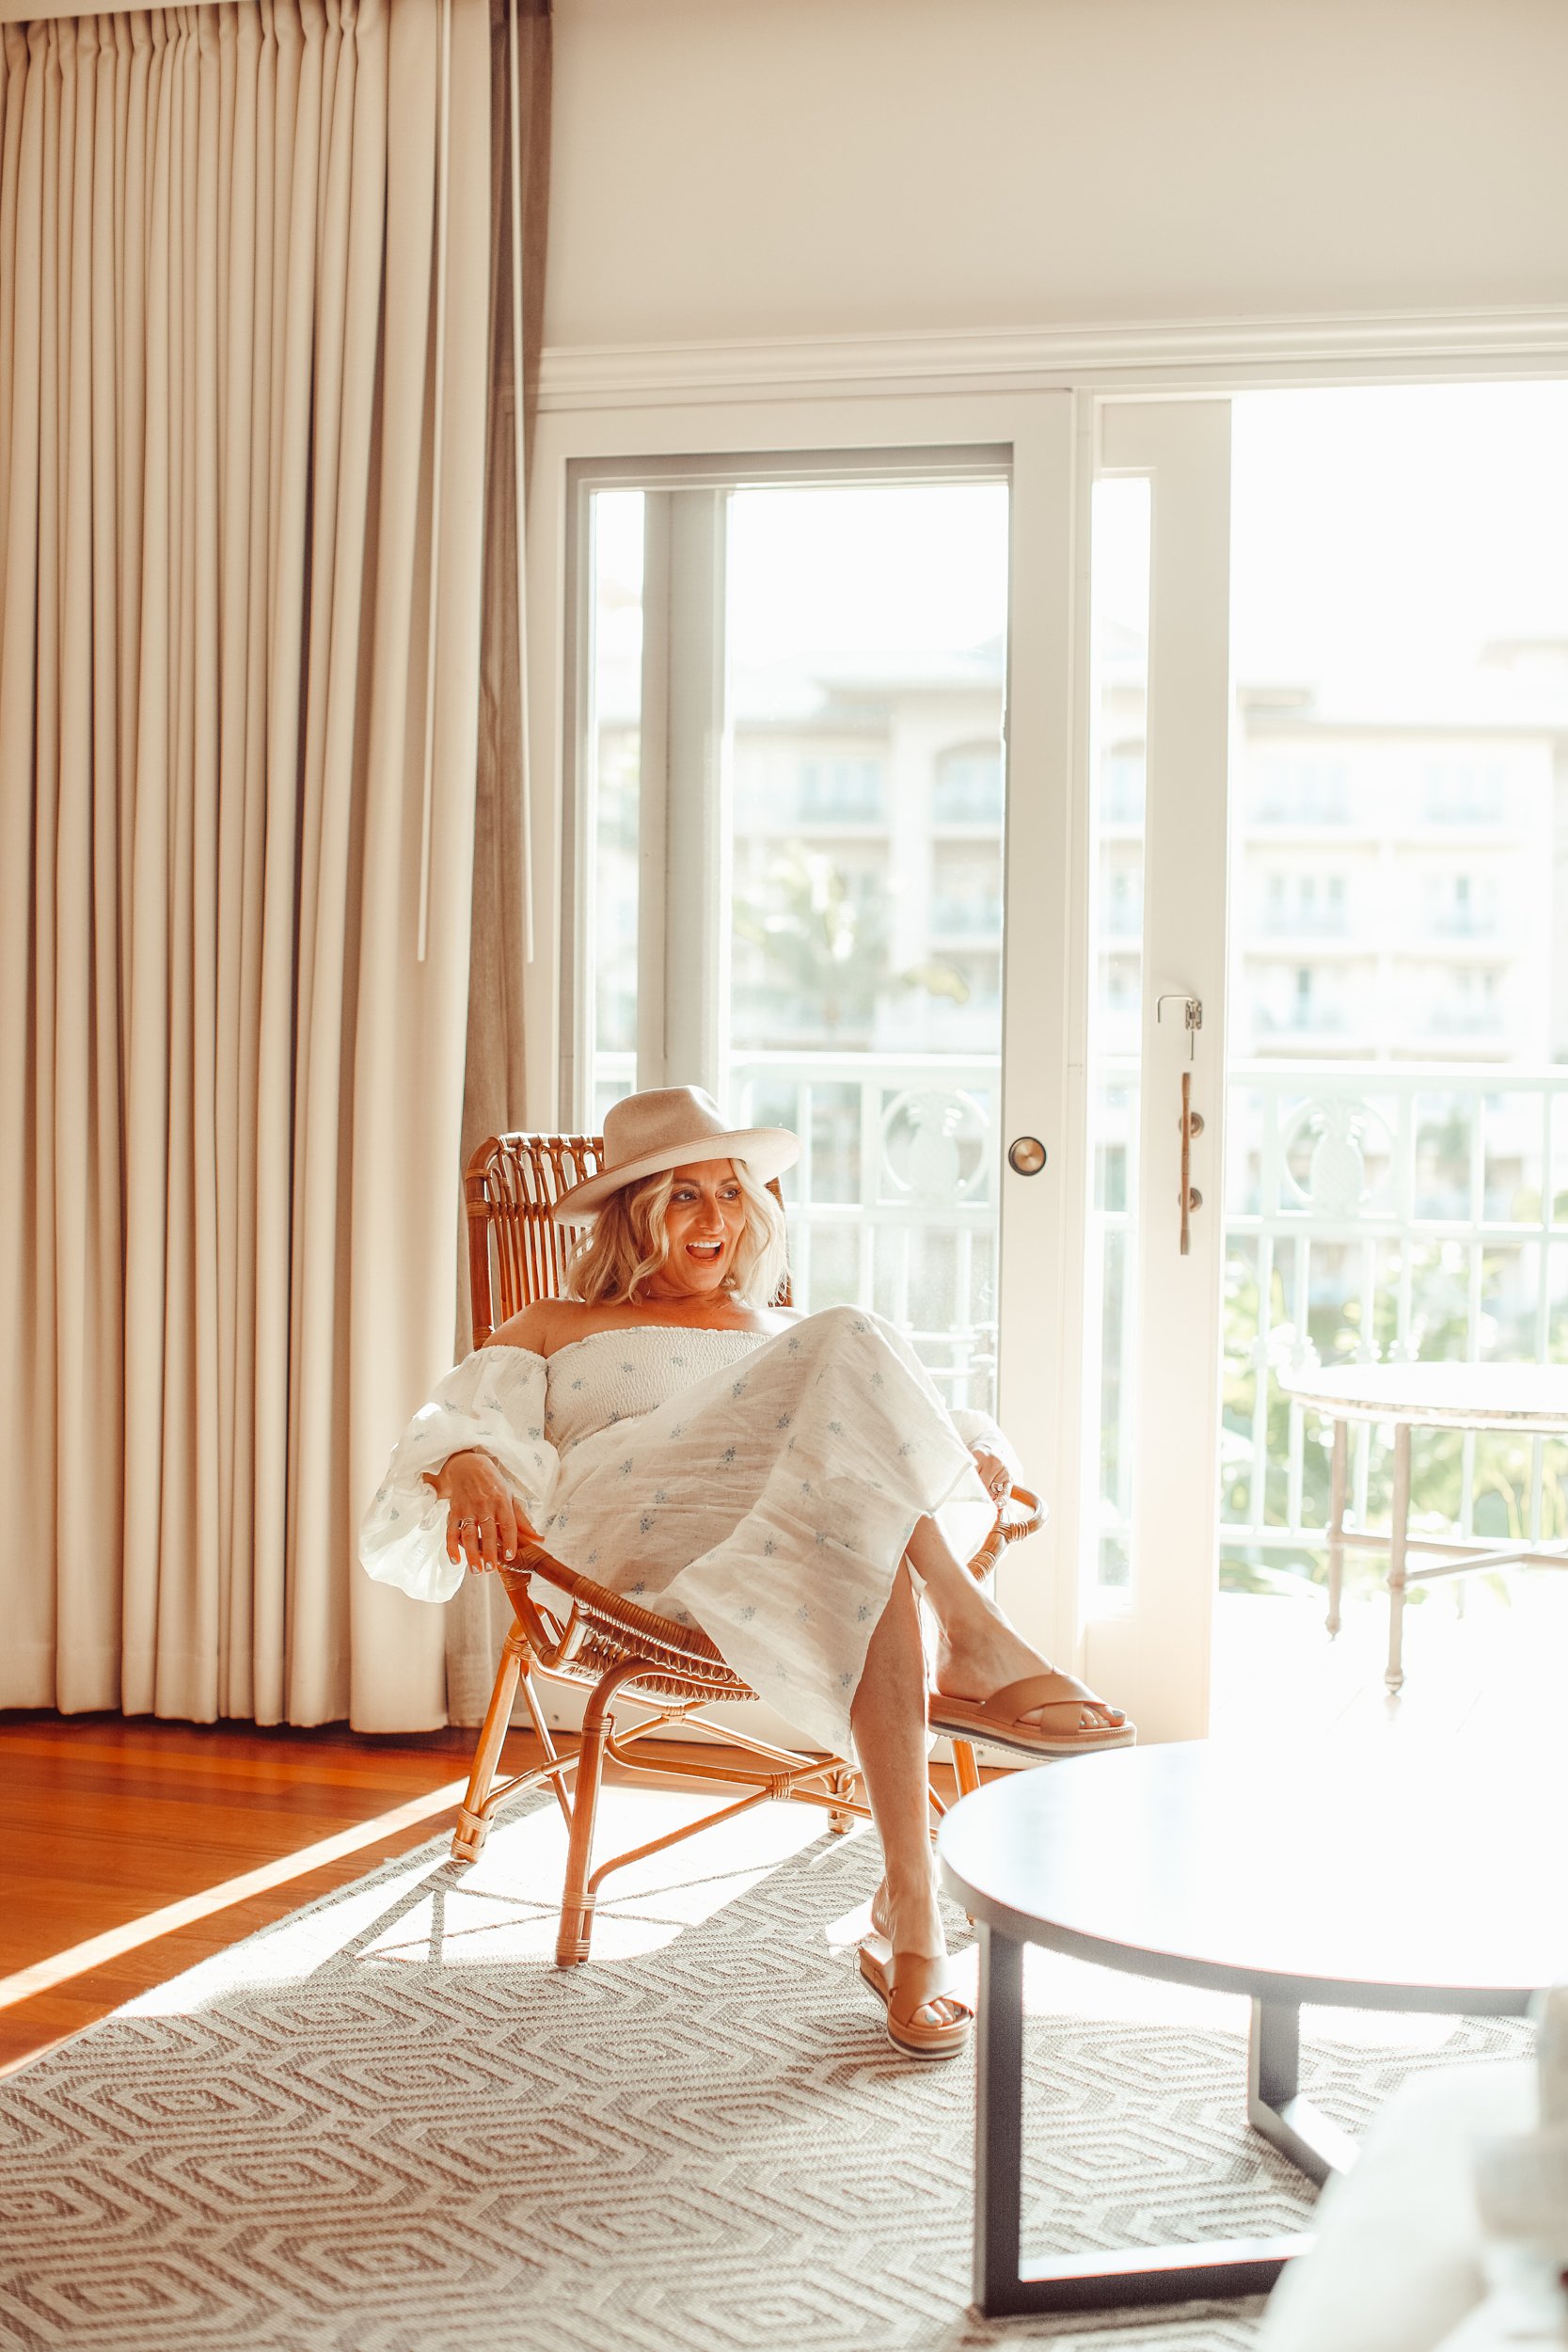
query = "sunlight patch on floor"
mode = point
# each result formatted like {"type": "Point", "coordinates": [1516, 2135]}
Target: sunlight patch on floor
{"type": "Point", "coordinates": [1481, 1658]}
{"type": "Point", "coordinates": [292, 1950]}
{"type": "Point", "coordinates": [505, 1907]}
{"type": "Point", "coordinates": [487, 1917]}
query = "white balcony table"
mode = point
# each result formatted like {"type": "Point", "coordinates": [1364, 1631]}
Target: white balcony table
{"type": "Point", "coordinates": [1528, 1400]}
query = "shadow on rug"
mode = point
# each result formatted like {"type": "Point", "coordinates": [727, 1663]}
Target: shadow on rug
{"type": "Point", "coordinates": [389, 2125]}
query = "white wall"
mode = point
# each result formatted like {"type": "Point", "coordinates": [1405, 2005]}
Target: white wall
{"type": "Point", "coordinates": [730, 168]}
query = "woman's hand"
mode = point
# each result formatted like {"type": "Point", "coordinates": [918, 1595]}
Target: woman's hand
{"type": "Point", "coordinates": [485, 1520]}
{"type": "Point", "coordinates": [996, 1478]}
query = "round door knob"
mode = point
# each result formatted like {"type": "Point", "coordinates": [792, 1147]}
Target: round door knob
{"type": "Point", "coordinates": [1026, 1155]}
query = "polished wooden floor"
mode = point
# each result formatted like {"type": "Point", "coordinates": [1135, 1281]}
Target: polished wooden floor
{"type": "Point", "coordinates": [108, 1826]}
{"type": "Point", "coordinates": [105, 1823]}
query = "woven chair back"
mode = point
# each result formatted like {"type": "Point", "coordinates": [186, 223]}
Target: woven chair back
{"type": "Point", "coordinates": [518, 1253]}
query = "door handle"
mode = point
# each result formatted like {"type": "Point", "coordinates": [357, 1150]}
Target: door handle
{"type": "Point", "coordinates": [1191, 1121]}
{"type": "Point", "coordinates": [1192, 1124]}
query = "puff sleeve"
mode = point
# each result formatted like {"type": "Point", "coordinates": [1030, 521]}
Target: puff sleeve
{"type": "Point", "coordinates": [494, 1401]}
{"type": "Point", "coordinates": [976, 1428]}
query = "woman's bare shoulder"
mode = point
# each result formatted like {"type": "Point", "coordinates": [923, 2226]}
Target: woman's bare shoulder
{"type": "Point", "coordinates": [527, 1329]}
{"type": "Point", "coordinates": [550, 1323]}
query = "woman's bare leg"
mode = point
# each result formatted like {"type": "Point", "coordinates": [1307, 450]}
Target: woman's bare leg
{"type": "Point", "coordinates": [888, 1717]}
{"type": "Point", "coordinates": [978, 1651]}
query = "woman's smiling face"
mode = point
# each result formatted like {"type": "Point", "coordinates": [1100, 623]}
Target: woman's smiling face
{"type": "Point", "coordinates": [703, 1223]}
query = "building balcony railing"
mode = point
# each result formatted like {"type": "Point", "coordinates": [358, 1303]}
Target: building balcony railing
{"type": "Point", "coordinates": [957, 918]}
{"type": "Point", "coordinates": [1300, 808]}
{"type": "Point", "coordinates": [1465, 1021]}
{"type": "Point", "coordinates": [1306, 1012]}
{"type": "Point", "coordinates": [842, 808]}
{"type": "Point", "coordinates": [1463, 927]}
{"type": "Point", "coordinates": [977, 802]}
{"type": "Point", "coordinates": [1276, 927]}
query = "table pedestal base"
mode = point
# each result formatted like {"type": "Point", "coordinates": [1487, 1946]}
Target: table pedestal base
{"type": "Point", "coordinates": [1274, 2106]}
{"type": "Point", "coordinates": [1155, 2274]}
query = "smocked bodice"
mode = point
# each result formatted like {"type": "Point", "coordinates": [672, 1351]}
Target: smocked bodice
{"type": "Point", "coordinates": [619, 1375]}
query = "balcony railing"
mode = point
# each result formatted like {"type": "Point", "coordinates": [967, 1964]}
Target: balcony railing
{"type": "Point", "coordinates": [1413, 1211]}
{"type": "Point", "coordinates": [893, 1200]}
{"type": "Point", "coordinates": [1369, 1210]}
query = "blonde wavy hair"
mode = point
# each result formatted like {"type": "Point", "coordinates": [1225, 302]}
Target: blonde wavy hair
{"type": "Point", "coordinates": [628, 1240]}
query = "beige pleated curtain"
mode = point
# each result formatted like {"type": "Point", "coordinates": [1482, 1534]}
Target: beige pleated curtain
{"type": "Point", "coordinates": [242, 524]}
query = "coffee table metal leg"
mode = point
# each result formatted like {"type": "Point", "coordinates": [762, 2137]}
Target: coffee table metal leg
{"type": "Point", "coordinates": [1273, 2103]}
{"type": "Point", "coordinates": [998, 2120]}
{"type": "Point", "coordinates": [1098, 2281]}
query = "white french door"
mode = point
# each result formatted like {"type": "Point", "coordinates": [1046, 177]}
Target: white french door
{"type": "Point", "coordinates": [1158, 693]}
{"type": "Point", "coordinates": [814, 842]}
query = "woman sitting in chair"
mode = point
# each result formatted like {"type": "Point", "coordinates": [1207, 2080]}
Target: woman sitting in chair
{"type": "Point", "coordinates": [784, 1482]}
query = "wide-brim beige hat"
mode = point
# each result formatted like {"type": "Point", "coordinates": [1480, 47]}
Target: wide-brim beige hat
{"type": "Point", "coordinates": [669, 1127]}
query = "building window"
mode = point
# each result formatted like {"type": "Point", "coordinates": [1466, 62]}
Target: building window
{"type": "Point", "coordinates": [1463, 791]}
{"type": "Point", "coordinates": [1297, 792]}
{"type": "Point", "coordinates": [967, 790]}
{"type": "Point", "coordinates": [842, 791]}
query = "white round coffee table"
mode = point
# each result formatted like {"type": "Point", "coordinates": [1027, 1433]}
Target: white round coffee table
{"type": "Point", "coordinates": [1274, 1877]}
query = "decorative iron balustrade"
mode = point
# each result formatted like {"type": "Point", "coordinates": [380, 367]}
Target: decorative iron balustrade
{"type": "Point", "coordinates": [1369, 1210]}
{"type": "Point", "coordinates": [893, 1200]}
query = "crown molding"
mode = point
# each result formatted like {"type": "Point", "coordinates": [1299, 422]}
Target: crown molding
{"type": "Point", "coordinates": [1356, 344]}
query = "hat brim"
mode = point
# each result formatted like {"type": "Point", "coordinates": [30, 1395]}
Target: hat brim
{"type": "Point", "coordinates": [766, 1151]}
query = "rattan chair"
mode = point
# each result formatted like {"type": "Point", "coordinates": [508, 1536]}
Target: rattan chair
{"type": "Point", "coordinates": [596, 1641]}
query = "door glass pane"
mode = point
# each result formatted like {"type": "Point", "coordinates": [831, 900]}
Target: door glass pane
{"type": "Point", "coordinates": [865, 631]}
{"type": "Point", "coordinates": [612, 800]}
{"type": "Point", "coordinates": [1397, 1110]}
{"type": "Point", "coordinates": [1119, 675]}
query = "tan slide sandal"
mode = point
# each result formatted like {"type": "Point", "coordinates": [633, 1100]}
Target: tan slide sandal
{"type": "Point", "coordinates": [906, 1985]}
{"type": "Point", "coordinates": [997, 1721]}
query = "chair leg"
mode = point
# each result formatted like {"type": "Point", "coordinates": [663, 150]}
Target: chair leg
{"type": "Point", "coordinates": [966, 1768]}
{"type": "Point", "coordinates": [841, 1784]}
{"type": "Point", "coordinates": [472, 1827]}
{"type": "Point", "coordinates": [577, 1905]}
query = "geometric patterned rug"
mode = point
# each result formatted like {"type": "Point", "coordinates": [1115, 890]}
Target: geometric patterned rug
{"type": "Point", "coordinates": [388, 2125]}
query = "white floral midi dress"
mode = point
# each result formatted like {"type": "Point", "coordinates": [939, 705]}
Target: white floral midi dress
{"type": "Point", "coordinates": [762, 1488]}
